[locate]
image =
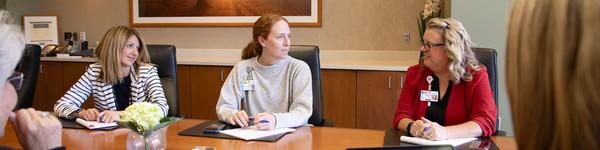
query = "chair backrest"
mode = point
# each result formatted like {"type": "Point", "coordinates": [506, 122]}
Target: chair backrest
{"type": "Point", "coordinates": [487, 57]}
{"type": "Point", "coordinates": [164, 57]}
{"type": "Point", "coordinates": [29, 66]}
{"type": "Point", "coordinates": [310, 55]}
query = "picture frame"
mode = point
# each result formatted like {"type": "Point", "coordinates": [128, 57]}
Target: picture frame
{"type": "Point", "coordinates": [41, 30]}
{"type": "Point", "coordinates": [205, 13]}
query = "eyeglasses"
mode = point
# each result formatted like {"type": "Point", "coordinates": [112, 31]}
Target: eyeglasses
{"type": "Point", "coordinates": [16, 79]}
{"type": "Point", "coordinates": [428, 46]}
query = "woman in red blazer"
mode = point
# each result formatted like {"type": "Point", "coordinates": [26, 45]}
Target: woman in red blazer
{"type": "Point", "coordinates": [448, 95]}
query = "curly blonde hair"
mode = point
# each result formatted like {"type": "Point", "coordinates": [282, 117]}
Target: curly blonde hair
{"type": "Point", "coordinates": [458, 46]}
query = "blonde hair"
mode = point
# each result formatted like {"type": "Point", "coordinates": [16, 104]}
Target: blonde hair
{"type": "Point", "coordinates": [458, 46]}
{"type": "Point", "coordinates": [109, 52]}
{"type": "Point", "coordinates": [553, 73]}
{"type": "Point", "coordinates": [262, 28]}
{"type": "Point", "coordinates": [12, 43]}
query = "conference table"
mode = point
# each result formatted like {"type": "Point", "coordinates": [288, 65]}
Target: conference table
{"type": "Point", "coordinates": [327, 138]}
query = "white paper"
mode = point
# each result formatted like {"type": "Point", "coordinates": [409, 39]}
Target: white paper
{"type": "Point", "coordinates": [252, 133]}
{"type": "Point", "coordinates": [41, 30]}
{"type": "Point", "coordinates": [94, 124]}
{"type": "Point", "coordinates": [422, 141]}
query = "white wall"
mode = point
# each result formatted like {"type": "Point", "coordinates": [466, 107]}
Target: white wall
{"type": "Point", "coordinates": [486, 21]}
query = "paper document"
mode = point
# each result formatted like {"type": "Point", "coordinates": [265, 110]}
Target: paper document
{"type": "Point", "coordinates": [252, 133]}
{"type": "Point", "coordinates": [96, 125]}
{"type": "Point", "coordinates": [422, 141]}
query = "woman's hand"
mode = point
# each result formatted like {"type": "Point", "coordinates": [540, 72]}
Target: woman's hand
{"type": "Point", "coordinates": [109, 116]}
{"type": "Point", "coordinates": [89, 114]}
{"type": "Point", "coordinates": [239, 118]}
{"type": "Point", "coordinates": [264, 121]}
{"type": "Point", "coordinates": [435, 131]}
{"type": "Point", "coordinates": [416, 129]}
{"type": "Point", "coordinates": [36, 130]}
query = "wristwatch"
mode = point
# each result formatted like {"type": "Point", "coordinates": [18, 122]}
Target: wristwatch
{"type": "Point", "coordinates": [408, 127]}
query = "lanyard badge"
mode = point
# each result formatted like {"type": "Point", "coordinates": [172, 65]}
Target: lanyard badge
{"type": "Point", "coordinates": [429, 95]}
{"type": "Point", "coordinates": [249, 85]}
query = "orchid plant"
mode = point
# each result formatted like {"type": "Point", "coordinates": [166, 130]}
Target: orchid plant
{"type": "Point", "coordinates": [432, 9]}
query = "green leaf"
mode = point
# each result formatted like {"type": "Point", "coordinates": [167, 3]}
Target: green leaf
{"type": "Point", "coordinates": [165, 121]}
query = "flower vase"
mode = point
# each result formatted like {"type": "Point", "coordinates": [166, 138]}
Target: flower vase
{"type": "Point", "coordinates": [154, 141]}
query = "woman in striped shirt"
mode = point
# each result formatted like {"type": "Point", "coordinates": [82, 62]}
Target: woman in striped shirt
{"type": "Point", "coordinates": [122, 75]}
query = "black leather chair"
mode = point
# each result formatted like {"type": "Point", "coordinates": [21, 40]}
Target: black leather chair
{"type": "Point", "coordinates": [488, 57]}
{"type": "Point", "coordinates": [164, 57]}
{"type": "Point", "coordinates": [310, 55]}
{"type": "Point", "coordinates": [29, 66]}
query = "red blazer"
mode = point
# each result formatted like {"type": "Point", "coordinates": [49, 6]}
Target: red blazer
{"type": "Point", "coordinates": [469, 101]}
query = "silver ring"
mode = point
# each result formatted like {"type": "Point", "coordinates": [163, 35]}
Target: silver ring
{"type": "Point", "coordinates": [44, 114]}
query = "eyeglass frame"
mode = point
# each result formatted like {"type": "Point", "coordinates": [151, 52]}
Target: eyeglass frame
{"type": "Point", "coordinates": [16, 80]}
{"type": "Point", "coordinates": [428, 46]}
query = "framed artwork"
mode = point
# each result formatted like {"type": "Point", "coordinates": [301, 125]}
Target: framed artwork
{"type": "Point", "coordinates": [220, 13]}
{"type": "Point", "coordinates": [41, 30]}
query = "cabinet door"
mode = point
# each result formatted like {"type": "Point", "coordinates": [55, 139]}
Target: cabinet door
{"type": "Point", "coordinates": [183, 77]}
{"type": "Point", "coordinates": [48, 86]}
{"type": "Point", "coordinates": [205, 87]}
{"type": "Point", "coordinates": [339, 97]}
{"type": "Point", "coordinates": [401, 76]}
{"type": "Point", "coordinates": [72, 72]}
{"type": "Point", "coordinates": [376, 99]}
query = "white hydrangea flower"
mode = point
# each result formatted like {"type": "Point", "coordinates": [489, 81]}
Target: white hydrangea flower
{"type": "Point", "coordinates": [144, 114]}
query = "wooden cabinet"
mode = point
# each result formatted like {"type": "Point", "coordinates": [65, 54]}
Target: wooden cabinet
{"type": "Point", "coordinates": [339, 97]}
{"type": "Point", "coordinates": [54, 80]}
{"type": "Point", "coordinates": [205, 87]}
{"type": "Point", "coordinates": [401, 76]}
{"type": "Point", "coordinates": [376, 99]}
{"type": "Point", "coordinates": [183, 79]}
{"type": "Point", "coordinates": [71, 73]}
{"type": "Point", "coordinates": [48, 88]}
{"type": "Point", "coordinates": [352, 99]}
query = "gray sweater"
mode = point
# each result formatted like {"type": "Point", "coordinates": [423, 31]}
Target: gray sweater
{"type": "Point", "coordinates": [283, 89]}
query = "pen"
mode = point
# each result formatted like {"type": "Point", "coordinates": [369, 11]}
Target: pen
{"type": "Point", "coordinates": [261, 121]}
{"type": "Point", "coordinates": [100, 117]}
{"type": "Point", "coordinates": [426, 129]}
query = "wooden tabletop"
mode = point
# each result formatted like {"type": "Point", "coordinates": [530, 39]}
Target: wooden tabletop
{"type": "Point", "coordinates": [303, 138]}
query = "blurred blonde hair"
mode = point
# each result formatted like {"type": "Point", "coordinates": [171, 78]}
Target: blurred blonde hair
{"type": "Point", "coordinates": [109, 52]}
{"type": "Point", "coordinates": [458, 45]}
{"type": "Point", "coordinates": [12, 43]}
{"type": "Point", "coordinates": [553, 73]}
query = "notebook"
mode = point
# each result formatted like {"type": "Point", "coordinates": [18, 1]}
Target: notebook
{"type": "Point", "coordinates": [200, 130]}
{"type": "Point", "coordinates": [407, 147]}
{"type": "Point", "coordinates": [422, 141]}
{"type": "Point", "coordinates": [252, 133]}
{"type": "Point", "coordinates": [96, 125]}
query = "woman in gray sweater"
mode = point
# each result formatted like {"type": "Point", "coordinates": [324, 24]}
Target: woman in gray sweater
{"type": "Point", "coordinates": [268, 88]}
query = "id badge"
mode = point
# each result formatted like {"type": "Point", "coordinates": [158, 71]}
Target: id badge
{"type": "Point", "coordinates": [248, 85]}
{"type": "Point", "coordinates": [429, 96]}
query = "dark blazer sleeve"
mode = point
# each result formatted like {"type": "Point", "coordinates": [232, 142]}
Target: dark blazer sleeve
{"type": "Point", "coordinates": [483, 107]}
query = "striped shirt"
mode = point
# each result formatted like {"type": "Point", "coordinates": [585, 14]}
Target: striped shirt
{"type": "Point", "coordinates": [144, 87]}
